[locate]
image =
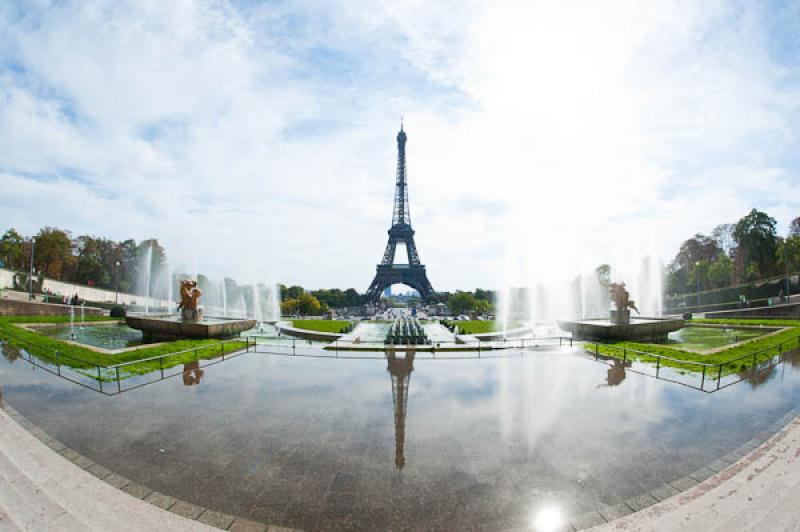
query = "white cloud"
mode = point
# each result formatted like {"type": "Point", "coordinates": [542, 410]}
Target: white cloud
{"type": "Point", "coordinates": [258, 141]}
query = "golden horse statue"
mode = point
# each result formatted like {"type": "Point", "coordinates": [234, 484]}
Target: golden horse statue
{"type": "Point", "coordinates": [620, 297]}
{"type": "Point", "coordinates": [189, 294]}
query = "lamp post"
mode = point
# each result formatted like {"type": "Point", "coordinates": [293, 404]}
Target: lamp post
{"type": "Point", "coordinates": [116, 288]}
{"type": "Point", "coordinates": [30, 277]}
{"type": "Point", "coordinates": [697, 278]}
{"type": "Point", "coordinates": [786, 264]}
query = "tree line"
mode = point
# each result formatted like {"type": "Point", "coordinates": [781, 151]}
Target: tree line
{"type": "Point", "coordinates": [733, 254]}
{"type": "Point", "coordinates": [85, 259]}
{"type": "Point", "coordinates": [297, 300]}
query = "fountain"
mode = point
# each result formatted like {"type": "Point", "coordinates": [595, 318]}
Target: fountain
{"type": "Point", "coordinates": [72, 322]}
{"type": "Point", "coordinates": [620, 326]}
{"type": "Point", "coordinates": [190, 323]}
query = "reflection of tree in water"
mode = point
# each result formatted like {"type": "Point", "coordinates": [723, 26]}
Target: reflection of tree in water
{"type": "Point", "coordinates": [759, 376]}
{"type": "Point", "coordinates": [192, 373]}
{"type": "Point", "coordinates": [10, 352]}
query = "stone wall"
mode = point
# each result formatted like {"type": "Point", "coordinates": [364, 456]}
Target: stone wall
{"type": "Point", "coordinates": [12, 307]}
{"type": "Point", "coordinates": [790, 311]}
{"type": "Point", "coordinates": [87, 293]}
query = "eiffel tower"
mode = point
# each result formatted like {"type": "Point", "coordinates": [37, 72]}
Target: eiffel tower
{"type": "Point", "coordinates": [388, 273]}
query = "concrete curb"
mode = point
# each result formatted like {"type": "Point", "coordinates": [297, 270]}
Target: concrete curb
{"type": "Point", "coordinates": [195, 517]}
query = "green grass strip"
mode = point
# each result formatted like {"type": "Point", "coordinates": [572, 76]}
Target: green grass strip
{"type": "Point", "coordinates": [764, 348]}
{"type": "Point", "coordinates": [328, 326]}
{"type": "Point", "coordinates": [86, 360]}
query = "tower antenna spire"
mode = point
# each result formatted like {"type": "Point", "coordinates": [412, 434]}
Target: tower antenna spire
{"type": "Point", "coordinates": [387, 272]}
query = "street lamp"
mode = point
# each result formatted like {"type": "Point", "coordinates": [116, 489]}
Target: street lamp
{"type": "Point", "coordinates": [116, 292]}
{"type": "Point", "coordinates": [786, 264]}
{"type": "Point", "coordinates": [30, 277]}
{"type": "Point", "coordinates": [697, 278]}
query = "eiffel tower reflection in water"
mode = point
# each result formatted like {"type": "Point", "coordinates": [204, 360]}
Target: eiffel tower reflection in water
{"type": "Point", "coordinates": [400, 369]}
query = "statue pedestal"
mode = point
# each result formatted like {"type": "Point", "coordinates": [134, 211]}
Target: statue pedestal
{"type": "Point", "coordinates": [620, 317]}
{"type": "Point", "coordinates": [191, 314]}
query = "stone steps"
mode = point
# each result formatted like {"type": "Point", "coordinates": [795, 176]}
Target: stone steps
{"type": "Point", "coordinates": [41, 490]}
{"type": "Point", "coordinates": [32, 509]}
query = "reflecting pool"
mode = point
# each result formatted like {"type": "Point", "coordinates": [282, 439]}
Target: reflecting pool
{"type": "Point", "coordinates": [106, 336]}
{"type": "Point", "coordinates": [403, 441]}
{"type": "Point", "coordinates": [703, 338]}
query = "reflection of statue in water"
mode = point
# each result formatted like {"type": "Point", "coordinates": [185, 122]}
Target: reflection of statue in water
{"type": "Point", "coordinates": [400, 370]}
{"type": "Point", "coordinates": [192, 373]}
{"type": "Point", "coordinates": [620, 297]}
{"type": "Point", "coordinates": [758, 375]}
{"type": "Point", "coordinates": [615, 375]}
{"type": "Point", "coordinates": [189, 296]}
{"type": "Point", "coordinates": [10, 352]}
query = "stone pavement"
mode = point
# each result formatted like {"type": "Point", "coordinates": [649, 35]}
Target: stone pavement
{"type": "Point", "coordinates": [43, 490]}
{"type": "Point", "coordinates": [760, 492]}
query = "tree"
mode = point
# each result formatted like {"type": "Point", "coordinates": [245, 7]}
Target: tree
{"type": "Point", "coordinates": [720, 272]}
{"type": "Point", "coordinates": [352, 298]}
{"type": "Point", "coordinates": [294, 292]}
{"type": "Point", "coordinates": [12, 250]}
{"type": "Point", "coordinates": [794, 227]}
{"type": "Point", "coordinates": [305, 305]}
{"type": "Point", "coordinates": [756, 243]}
{"type": "Point", "coordinates": [486, 295]}
{"type": "Point", "coordinates": [699, 248]}
{"type": "Point", "coordinates": [53, 252]}
{"type": "Point", "coordinates": [96, 261]}
{"type": "Point", "coordinates": [461, 302]}
{"type": "Point", "coordinates": [788, 248]}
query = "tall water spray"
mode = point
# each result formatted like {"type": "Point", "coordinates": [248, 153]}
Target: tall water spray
{"type": "Point", "coordinates": [144, 275]}
{"type": "Point", "coordinates": [258, 313]}
{"type": "Point", "coordinates": [275, 303]}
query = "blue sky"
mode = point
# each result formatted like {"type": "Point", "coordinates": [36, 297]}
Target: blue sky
{"type": "Point", "coordinates": [256, 139]}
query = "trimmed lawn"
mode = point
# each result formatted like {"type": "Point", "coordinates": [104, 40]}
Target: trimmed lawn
{"type": "Point", "coordinates": [764, 348]}
{"type": "Point", "coordinates": [86, 360]}
{"type": "Point", "coordinates": [480, 326]}
{"type": "Point", "coordinates": [328, 326]}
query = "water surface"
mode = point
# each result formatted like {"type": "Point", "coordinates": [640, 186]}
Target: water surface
{"type": "Point", "coordinates": [403, 442]}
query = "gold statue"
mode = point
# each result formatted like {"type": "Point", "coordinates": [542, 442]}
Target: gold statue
{"type": "Point", "coordinates": [620, 297]}
{"type": "Point", "coordinates": [189, 294]}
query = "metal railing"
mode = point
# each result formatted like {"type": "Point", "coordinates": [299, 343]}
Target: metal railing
{"type": "Point", "coordinates": [102, 375]}
{"type": "Point", "coordinates": [712, 372]}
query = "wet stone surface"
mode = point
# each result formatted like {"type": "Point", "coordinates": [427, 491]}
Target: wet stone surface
{"type": "Point", "coordinates": [374, 444]}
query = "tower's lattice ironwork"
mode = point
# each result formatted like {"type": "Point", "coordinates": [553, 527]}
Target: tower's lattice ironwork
{"type": "Point", "coordinates": [400, 371]}
{"type": "Point", "coordinates": [388, 273]}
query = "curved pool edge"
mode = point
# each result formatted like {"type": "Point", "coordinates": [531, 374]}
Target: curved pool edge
{"type": "Point", "coordinates": [166, 512]}
{"type": "Point", "coordinates": [759, 490]}
{"type": "Point", "coordinates": [667, 504]}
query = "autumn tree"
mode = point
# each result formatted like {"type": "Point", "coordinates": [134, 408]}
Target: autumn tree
{"type": "Point", "coordinates": [53, 252]}
{"type": "Point", "coordinates": [12, 252]}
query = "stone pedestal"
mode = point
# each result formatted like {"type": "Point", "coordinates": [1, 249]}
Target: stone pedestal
{"type": "Point", "coordinates": [190, 314]}
{"type": "Point", "coordinates": [620, 317]}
